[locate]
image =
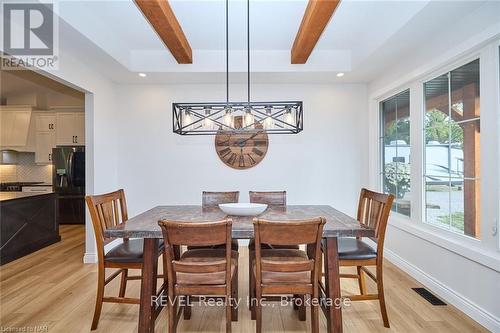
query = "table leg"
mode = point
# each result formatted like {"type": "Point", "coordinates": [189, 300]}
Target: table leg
{"type": "Point", "coordinates": [148, 285]}
{"type": "Point", "coordinates": [332, 286]}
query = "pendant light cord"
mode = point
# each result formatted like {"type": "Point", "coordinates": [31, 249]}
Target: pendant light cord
{"type": "Point", "coordinates": [227, 52]}
{"type": "Point", "coordinates": [248, 52]}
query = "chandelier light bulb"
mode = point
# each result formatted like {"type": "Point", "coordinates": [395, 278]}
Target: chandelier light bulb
{"type": "Point", "coordinates": [289, 117]}
{"type": "Point", "coordinates": [228, 118]}
{"type": "Point", "coordinates": [207, 122]}
{"type": "Point", "coordinates": [187, 121]}
{"type": "Point", "coordinates": [268, 121]}
{"type": "Point", "coordinates": [248, 119]}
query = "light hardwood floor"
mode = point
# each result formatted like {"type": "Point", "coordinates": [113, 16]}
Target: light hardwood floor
{"type": "Point", "coordinates": [53, 288]}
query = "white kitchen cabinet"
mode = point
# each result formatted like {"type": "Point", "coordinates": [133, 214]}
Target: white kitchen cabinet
{"type": "Point", "coordinates": [70, 128]}
{"type": "Point", "coordinates": [45, 141]}
{"type": "Point", "coordinates": [14, 126]}
{"type": "Point", "coordinates": [46, 122]}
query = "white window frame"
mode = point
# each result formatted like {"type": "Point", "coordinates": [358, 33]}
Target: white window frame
{"type": "Point", "coordinates": [380, 184]}
{"type": "Point", "coordinates": [444, 70]}
{"type": "Point", "coordinates": [486, 249]}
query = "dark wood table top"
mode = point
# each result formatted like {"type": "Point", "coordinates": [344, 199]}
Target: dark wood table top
{"type": "Point", "coordinates": [145, 225]}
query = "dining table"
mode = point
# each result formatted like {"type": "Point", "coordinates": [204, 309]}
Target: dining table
{"type": "Point", "coordinates": [145, 225]}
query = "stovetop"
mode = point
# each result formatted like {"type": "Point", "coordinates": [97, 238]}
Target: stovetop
{"type": "Point", "coordinates": [16, 186]}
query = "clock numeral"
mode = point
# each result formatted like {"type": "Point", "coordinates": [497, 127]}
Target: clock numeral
{"type": "Point", "coordinates": [223, 143]}
{"type": "Point", "coordinates": [231, 158]}
{"type": "Point", "coordinates": [252, 161]}
{"type": "Point", "coordinates": [224, 152]}
{"type": "Point", "coordinates": [259, 142]}
{"type": "Point", "coordinates": [242, 161]}
{"type": "Point", "coordinates": [257, 151]}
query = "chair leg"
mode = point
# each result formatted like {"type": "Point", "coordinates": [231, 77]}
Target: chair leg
{"type": "Point", "coordinates": [229, 310]}
{"type": "Point", "coordinates": [99, 297]}
{"type": "Point", "coordinates": [302, 308]}
{"type": "Point", "coordinates": [251, 283]}
{"type": "Point", "coordinates": [258, 312]}
{"type": "Point", "coordinates": [234, 295]}
{"type": "Point", "coordinates": [361, 280]}
{"type": "Point", "coordinates": [252, 294]}
{"type": "Point", "coordinates": [186, 308]}
{"type": "Point", "coordinates": [172, 307]}
{"type": "Point", "coordinates": [123, 283]}
{"type": "Point", "coordinates": [381, 296]}
{"type": "Point", "coordinates": [294, 303]}
{"type": "Point", "coordinates": [314, 316]}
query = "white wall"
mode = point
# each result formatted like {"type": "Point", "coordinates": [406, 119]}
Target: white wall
{"type": "Point", "coordinates": [100, 131]}
{"type": "Point", "coordinates": [463, 271]}
{"type": "Point", "coordinates": [326, 163]}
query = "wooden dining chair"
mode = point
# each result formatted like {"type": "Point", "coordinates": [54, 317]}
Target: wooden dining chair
{"type": "Point", "coordinates": [216, 198]}
{"type": "Point", "coordinates": [270, 198]}
{"type": "Point", "coordinates": [201, 271]}
{"type": "Point", "coordinates": [373, 212]}
{"type": "Point", "coordinates": [287, 271]}
{"type": "Point", "coordinates": [109, 210]}
{"type": "Point", "coordinates": [210, 199]}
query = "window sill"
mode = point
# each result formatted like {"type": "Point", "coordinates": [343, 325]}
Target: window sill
{"type": "Point", "coordinates": [461, 245]}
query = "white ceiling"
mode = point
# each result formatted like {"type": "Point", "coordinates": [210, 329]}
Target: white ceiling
{"type": "Point", "coordinates": [362, 39]}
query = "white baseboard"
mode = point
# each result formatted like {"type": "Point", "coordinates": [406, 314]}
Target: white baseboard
{"type": "Point", "coordinates": [90, 258]}
{"type": "Point", "coordinates": [483, 317]}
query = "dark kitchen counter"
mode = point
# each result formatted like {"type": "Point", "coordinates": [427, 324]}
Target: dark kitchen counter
{"type": "Point", "coordinates": [27, 223]}
{"type": "Point", "coordinates": [6, 196]}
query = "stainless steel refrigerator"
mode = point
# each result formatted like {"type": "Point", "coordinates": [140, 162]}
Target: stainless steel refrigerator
{"type": "Point", "coordinates": [68, 179]}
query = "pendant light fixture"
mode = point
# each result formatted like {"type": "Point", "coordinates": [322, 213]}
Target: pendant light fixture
{"type": "Point", "coordinates": [213, 118]}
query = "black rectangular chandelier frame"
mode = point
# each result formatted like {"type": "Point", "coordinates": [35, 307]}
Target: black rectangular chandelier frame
{"type": "Point", "coordinates": [211, 118]}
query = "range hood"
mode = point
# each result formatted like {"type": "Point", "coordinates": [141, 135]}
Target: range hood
{"type": "Point", "coordinates": [8, 156]}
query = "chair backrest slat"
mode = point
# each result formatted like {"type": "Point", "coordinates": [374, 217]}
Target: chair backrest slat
{"type": "Point", "coordinates": [106, 211]}
{"type": "Point", "coordinates": [275, 198]}
{"type": "Point", "coordinates": [196, 234]}
{"type": "Point", "coordinates": [288, 266]}
{"type": "Point", "coordinates": [373, 212]}
{"type": "Point", "coordinates": [291, 232]}
{"type": "Point", "coordinates": [196, 267]}
{"type": "Point", "coordinates": [216, 198]}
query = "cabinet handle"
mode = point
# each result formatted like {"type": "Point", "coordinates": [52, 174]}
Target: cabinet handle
{"type": "Point", "coordinates": [73, 139]}
{"type": "Point", "coordinates": [50, 157]}
{"type": "Point", "coordinates": [76, 138]}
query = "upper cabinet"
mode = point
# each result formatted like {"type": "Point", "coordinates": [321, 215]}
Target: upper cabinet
{"type": "Point", "coordinates": [45, 137]}
{"type": "Point", "coordinates": [14, 125]}
{"type": "Point", "coordinates": [70, 128]}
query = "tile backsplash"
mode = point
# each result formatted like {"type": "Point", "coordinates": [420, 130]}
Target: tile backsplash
{"type": "Point", "coordinates": [26, 170]}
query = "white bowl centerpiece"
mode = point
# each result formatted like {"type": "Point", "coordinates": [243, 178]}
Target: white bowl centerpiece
{"type": "Point", "coordinates": [243, 208]}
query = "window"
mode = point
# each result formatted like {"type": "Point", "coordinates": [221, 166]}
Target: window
{"type": "Point", "coordinates": [452, 147]}
{"type": "Point", "coordinates": [395, 148]}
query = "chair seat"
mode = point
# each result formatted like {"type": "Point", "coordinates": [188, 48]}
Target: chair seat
{"type": "Point", "coordinates": [284, 255]}
{"type": "Point", "coordinates": [251, 246]}
{"type": "Point", "coordinates": [206, 256]}
{"type": "Point", "coordinates": [234, 246]}
{"type": "Point", "coordinates": [355, 249]}
{"type": "Point", "coordinates": [129, 251]}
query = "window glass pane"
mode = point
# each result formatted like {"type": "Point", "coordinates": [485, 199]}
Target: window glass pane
{"type": "Point", "coordinates": [470, 144]}
{"type": "Point", "coordinates": [389, 120]}
{"type": "Point", "coordinates": [464, 83]}
{"type": "Point", "coordinates": [395, 144]}
{"type": "Point", "coordinates": [452, 150]}
{"type": "Point", "coordinates": [437, 195]}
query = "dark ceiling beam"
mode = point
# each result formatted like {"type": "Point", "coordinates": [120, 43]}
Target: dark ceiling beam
{"type": "Point", "coordinates": [162, 18]}
{"type": "Point", "coordinates": [315, 20]}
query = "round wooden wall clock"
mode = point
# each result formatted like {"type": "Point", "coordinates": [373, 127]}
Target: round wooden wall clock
{"type": "Point", "coordinates": [241, 150]}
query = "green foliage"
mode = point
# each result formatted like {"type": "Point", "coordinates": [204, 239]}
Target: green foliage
{"type": "Point", "coordinates": [399, 130]}
{"type": "Point", "coordinates": [438, 126]}
{"type": "Point", "coordinates": [457, 220]}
